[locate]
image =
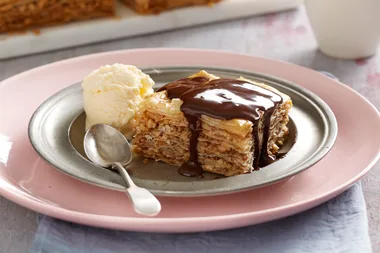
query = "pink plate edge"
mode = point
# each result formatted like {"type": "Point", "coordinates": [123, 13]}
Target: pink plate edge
{"type": "Point", "coordinates": [137, 224]}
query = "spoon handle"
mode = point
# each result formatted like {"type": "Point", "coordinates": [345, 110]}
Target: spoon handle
{"type": "Point", "coordinates": [124, 173]}
{"type": "Point", "coordinates": [143, 201]}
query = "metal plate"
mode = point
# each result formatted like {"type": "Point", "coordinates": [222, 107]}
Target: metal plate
{"type": "Point", "coordinates": [56, 131]}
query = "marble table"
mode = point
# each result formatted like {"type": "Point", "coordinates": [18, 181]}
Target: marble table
{"type": "Point", "coordinates": [285, 36]}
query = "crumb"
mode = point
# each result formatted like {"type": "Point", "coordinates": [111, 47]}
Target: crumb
{"type": "Point", "coordinates": [116, 17]}
{"type": "Point", "coordinates": [134, 148]}
{"type": "Point", "coordinates": [49, 186]}
{"type": "Point", "coordinates": [145, 161]}
{"type": "Point", "coordinates": [36, 31]}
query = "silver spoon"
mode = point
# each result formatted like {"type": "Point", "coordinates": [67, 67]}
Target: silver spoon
{"type": "Point", "coordinates": [107, 147]}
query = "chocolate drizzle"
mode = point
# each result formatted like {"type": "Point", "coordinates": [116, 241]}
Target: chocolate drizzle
{"type": "Point", "coordinates": [224, 99]}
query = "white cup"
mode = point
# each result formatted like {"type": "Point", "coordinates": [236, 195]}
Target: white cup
{"type": "Point", "coordinates": [346, 29]}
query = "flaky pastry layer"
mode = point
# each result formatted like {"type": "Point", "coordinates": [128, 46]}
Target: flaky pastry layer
{"type": "Point", "coordinates": [225, 147]}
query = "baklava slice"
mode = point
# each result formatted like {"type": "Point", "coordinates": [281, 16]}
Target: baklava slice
{"type": "Point", "coordinates": [157, 6]}
{"type": "Point", "coordinates": [19, 15]}
{"type": "Point", "coordinates": [206, 123]}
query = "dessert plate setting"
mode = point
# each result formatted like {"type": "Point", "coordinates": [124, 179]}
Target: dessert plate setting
{"type": "Point", "coordinates": [313, 131]}
{"type": "Point", "coordinates": [319, 161]}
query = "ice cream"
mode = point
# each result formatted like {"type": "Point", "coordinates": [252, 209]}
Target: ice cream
{"type": "Point", "coordinates": [112, 95]}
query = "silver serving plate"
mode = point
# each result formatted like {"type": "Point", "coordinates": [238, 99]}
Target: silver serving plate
{"type": "Point", "coordinates": [56, 131]}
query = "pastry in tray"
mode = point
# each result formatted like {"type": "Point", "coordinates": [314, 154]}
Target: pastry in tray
{"type": "Point", "coordinates": [23, 14]}
{"type": "Point", "coordinates": [207, 123]}
{"type": "Point", "coordinates": [156, 6]}
{"type": "Point", "coordinates": [20, 15]}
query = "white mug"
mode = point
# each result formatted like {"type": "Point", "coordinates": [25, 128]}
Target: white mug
{"type": "Point", "coordinates": [347, 29]}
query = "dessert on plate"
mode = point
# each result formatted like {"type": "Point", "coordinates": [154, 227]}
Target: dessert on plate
{"type": "Point", "coordinates": [200, 123]}
{"type": "Point", "coordinates": [23, 14]}
{"type": "Point", "coordinates": [156, 6]}
{"type": "Point", "coordinates": [207, 123]}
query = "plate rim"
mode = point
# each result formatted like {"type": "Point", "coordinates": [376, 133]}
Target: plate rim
{"type": "Point", "coordinates": [130, 223]}
{"type": "Point", "coordinates": [324, 110]}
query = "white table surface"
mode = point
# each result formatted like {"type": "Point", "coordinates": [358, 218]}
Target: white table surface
{"type": "Point", "coordinates": [286, 36]}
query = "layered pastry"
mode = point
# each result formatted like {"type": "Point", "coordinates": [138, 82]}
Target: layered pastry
{"type": "Point", "coordinates": [20, 15]}
{"type": "Point", "coordinates": [206, 123]}
{"type": "Point", "coordinates": [23, 14]}
{"type": "Point", "coordinates": [156, 6]}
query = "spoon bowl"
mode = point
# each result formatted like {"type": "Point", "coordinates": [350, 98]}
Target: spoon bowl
{"type": "Point", "coordinates": [106, 147]}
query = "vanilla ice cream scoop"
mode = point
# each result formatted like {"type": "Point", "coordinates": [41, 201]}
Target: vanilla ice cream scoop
{"type": "Point", "coordinates": [112, 95]}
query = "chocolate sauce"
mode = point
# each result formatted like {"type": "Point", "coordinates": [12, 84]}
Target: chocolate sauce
{"type": "Point", "coordinates": [224, 99]}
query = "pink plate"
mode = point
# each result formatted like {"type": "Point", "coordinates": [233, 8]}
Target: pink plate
{"type": "Point", "coordinates": [29, 181]}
